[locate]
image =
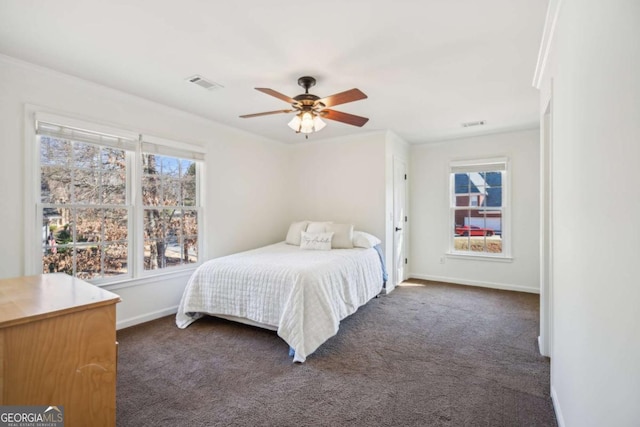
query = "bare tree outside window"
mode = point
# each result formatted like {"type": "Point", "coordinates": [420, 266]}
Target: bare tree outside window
{"type": "Point", "coordinates": [83, 206]}
{"type": "Point", "coordinates": [114, 207]}
{"type": "Point", "coordinates": [169, 196]}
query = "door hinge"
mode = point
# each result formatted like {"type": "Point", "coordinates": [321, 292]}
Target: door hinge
{"type": "Point", "coordinates": [405, 176]}
{"type": "Point", "coordinates": [405, 219]}
{"type": "Point", "coordinates": [406, 261]}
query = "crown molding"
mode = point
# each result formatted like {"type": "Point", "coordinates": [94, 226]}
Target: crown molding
{"type": "Point", "coordinates": [553, 10]}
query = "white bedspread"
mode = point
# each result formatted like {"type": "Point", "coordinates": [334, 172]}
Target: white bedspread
{"type": "Point", "coordinates": [303, 294]}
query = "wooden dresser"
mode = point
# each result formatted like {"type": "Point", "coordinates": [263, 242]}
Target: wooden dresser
{"type": "Point", "coordinates": [58, 347]}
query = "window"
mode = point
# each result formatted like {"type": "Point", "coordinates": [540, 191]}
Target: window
{"type": "Point", "coordinates": [113, 208]}
{"type": "Point", "coordinates": [170, 212]}
{"type": "Point", "coordinates": [479, 208]}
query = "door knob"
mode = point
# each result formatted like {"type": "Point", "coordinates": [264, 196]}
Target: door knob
{"type": "Point", "coordinates": [398, 229]}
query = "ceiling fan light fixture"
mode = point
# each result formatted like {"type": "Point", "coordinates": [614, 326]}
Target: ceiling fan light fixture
{"type": "Point", "coordinates": [295, 123]}
{"type": "Point", "coordinates": [318, 124]}
{"type": "Point", "coordinates": [306, 123]}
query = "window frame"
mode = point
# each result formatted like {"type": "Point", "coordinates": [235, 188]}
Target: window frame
{"type": "Point", "coordinates": [168, 149]}
{"type": "Point", "coordinates": [33, 248]}
{"type": "Point", "coordinates": [475, 165]}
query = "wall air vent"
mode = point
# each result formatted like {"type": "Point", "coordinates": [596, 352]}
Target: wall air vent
{"type": "Point", "coordinates": [202, 82]}
{"type": "Point", "coordinates": [471, 124]}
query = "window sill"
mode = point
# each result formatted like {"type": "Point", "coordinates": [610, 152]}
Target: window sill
{"type": "Point", "coordinates": [149, 278]}
{"type": "Point", "coordinates": [479, 257]}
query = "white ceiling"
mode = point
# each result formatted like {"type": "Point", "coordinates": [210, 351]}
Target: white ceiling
{"type": "Point", "coordinates": [426, 65]}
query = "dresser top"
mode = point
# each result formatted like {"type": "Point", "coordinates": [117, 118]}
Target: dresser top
{"type": "Point", "coordinates": [25, 299]}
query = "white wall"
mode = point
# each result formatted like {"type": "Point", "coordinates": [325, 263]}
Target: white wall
{"type": "Point", "coordinates": [340, 180]}
{"type": "Point", "coordinates": [430, 211]}
{"type": "Point", "coordinates": [350, 180]}
{"type": "Point", "coordinates": [243, 172]}
{"type": "Point", "coordinates": [592, 81]}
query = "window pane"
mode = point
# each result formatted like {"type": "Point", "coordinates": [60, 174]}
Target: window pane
{"type": "Point", "coordinates": [159, 231]}
{"type": "Point", "coordinates": [462, 200]}
{"type": "Point", "coordinates": [89, 224]}
{"type": "Point", "coordinates": [86, 186]}
{"type": "Point", "coordinates": [168, 166]}
{"type": "Point", "coordinates": [461, 184]}
{"type": "Point", "coordinates": [55, 184]}
{"type": "Point", "coordinates": [86, 155]}
{"type": "Point", "coordinates": [171, 191]}
{"type": "Point", "coordinates": [115, 259]}
{"type": "Point", "coordinates": [88, 262]}
{"type": "Point", "coordinates": [113, 159]}
{"type": "Point", "coordinates": [115, 224]}
{"type": "Point", "coordinates": [494, 179]}
{"type": "Point", "coordinates": [57, 259]}
{"type": "Point", "coordinates": [155, 254]}
{"type": "Point", "coordinates": [170, 238]}
{"type": "Point", "coordinates": [52, 221]}
{"type": "Point", "coordinates": [114, 187]}
{"type": "Point", "coordinates": [462, 221]}
{"type": "Point", "coordinates": [54, 152]}
{"type": "Point", "coordinates": [477, 244]}
{"type": "Point", "coordinates": [189, 190]}
{"type": "Point", "coordinates": [494, 197]}
{"type": "Point", "coordinates": [461, 243]}
{"type": "Point", "coordinates": [190, 251]}
{"type": "Point", "coordinates": [190, 223]}
{"type": "Point", "coordinates": [494, 242]}
{"type": "Point", "coordinates": [173, 253]}
{"type": "Point", "coordinates": [151, 190]}
{"type": "Point", "coordinates": [155, 223]}
{"type": "Point", "coordinates": [151, 164]}
{"type": "Point", "coordinates": [57, 224]}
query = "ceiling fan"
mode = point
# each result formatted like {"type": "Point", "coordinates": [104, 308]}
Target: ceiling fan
{"type": "Point", "coordinates": [311, 109]}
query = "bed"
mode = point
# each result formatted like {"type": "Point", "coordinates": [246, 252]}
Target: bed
{"type": "Point", "coordinates": [301, 294]}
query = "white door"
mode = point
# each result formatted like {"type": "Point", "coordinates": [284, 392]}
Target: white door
{"type": "Point", "coordinates": [399, 219]}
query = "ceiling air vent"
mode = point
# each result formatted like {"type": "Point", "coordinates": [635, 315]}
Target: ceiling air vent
{"type": "Point", "coordinates": [202, 82]}
{"type": "Point", "coordinates": [471, 124]}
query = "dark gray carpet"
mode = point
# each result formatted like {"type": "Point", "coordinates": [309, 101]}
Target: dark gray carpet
{"type": "Point", "coordinates": [432, 354]}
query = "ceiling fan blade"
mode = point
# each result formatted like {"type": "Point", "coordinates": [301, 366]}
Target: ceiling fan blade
{"type": "Point", "coordinates": [277, 94]}
{"type": "Point", "coordinates": [342, 98]}
{"type": "Point", "coordinates": [247, 116]}
{"type": "Point", "coordinates": [347, 118]}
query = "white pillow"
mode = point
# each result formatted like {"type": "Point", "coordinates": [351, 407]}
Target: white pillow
{"type": "Point", "coordinates": [316, 241]}
{"type": "Point", "coordinates": [342, 235]}
{"type": "Point", "coordinates": [293, 235]}
{"type": "Point", "coordinates": [365, 240]}
{"type": "Point", "coordinates": [317, 227]}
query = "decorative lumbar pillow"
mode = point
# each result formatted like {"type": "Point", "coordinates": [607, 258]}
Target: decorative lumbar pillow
{"type": "Point", "coordinates": [293, 235]}
{"type": "Point", "coordinates": [317, 227]}
{"type": "Point", "coordinates": [365, 240]}
{"type": "Point", "coordinates": [342, 235]}
{"type": "Point", "coordinates": [316, 241]}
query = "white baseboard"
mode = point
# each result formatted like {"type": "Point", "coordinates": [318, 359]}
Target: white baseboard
{"type": "Point", "coordinates": [503, 286]}
{"type": "Point", "coordinates": [556, 407]}
{"type": "Point", "coordinates": [147, 317]}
